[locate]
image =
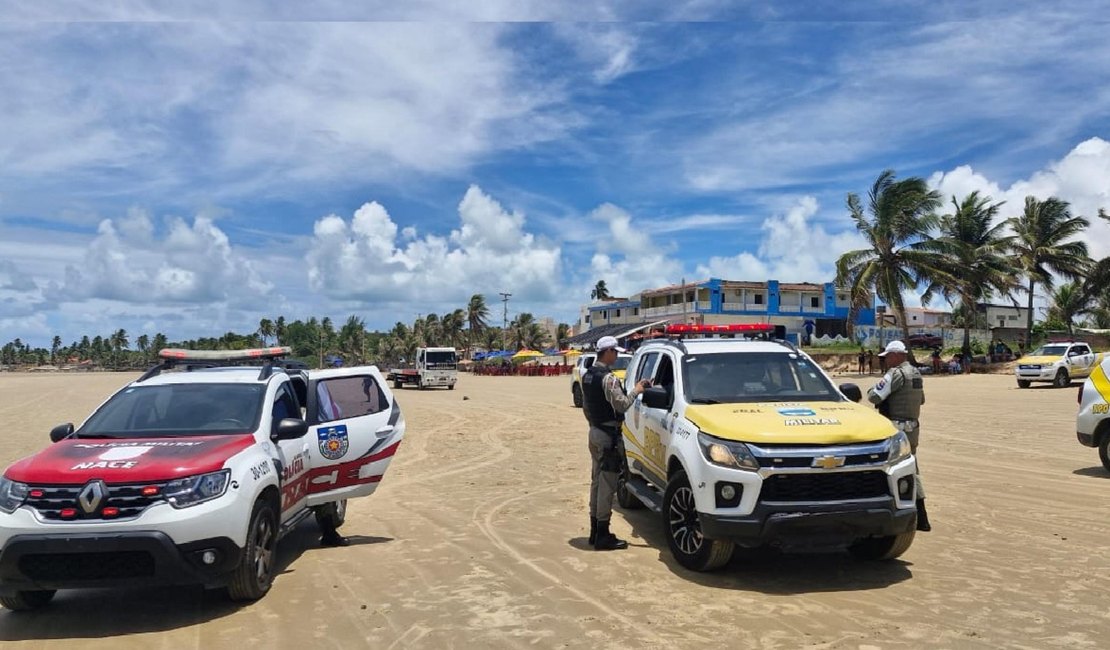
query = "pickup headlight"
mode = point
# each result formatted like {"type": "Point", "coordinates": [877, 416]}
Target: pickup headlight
{"type": "Point", "coordinates": [727, 453]}
{"type": "Point", "coordinates": [185, 492]}
{"type": "Point", "coordinates": [12, 495]}
{"type": "Point", "coordinates": [899, 447]}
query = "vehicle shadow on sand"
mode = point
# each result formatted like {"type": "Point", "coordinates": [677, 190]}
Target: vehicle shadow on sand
{"type": "Point", "coordinates": [772, 572]}
{"type": "Point", "coordinates": [103, 613]}
{"type": "Point", "coordinates": [1098, 471]}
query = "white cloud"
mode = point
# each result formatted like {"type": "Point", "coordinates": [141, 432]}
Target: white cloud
{"type": "Point", "coordinates": [193, 263]}
{"type": "Point", "coordinates": [1082, 178]}
{"type": "Point", "coordinates": [627, 259]}
{"type": "Point", "coordinates": [363, 260]}
{"type": "Point", "coordinates": [793, 248]}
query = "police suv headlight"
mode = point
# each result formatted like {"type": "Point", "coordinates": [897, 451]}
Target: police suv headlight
{"type": "Point", "coordinates": [899, 447]}
{"type": "Point", "coordinates": [727, 453]}
{"type": "Point", "coordinates": [12, 494]}
{"type": "Point", "coordinates": [185, 492]}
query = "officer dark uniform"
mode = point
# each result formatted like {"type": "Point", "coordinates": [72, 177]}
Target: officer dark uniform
{"type": "Point", "coordinates": [604, 403]}
{"type": "Point", "coordinates": [899, 396]}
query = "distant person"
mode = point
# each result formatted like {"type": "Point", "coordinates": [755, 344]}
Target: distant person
{"type": "Point", "coordinates": [899, 396]}
{"type": "Point", "coordinates": [604, 403]}
{"type": "Point", "coordinates": [862, 357]}
{"type": "Point", "coordinates": [936, 361]}
{"type": "Point", "coordinates": [870, 362]}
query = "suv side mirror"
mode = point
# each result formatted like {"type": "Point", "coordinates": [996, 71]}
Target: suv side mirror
{"type": "Point", "coordinates": [289, 429]}
{"type": "Point", "coordinates": [61, 432]}
{"type": "Point", "coordinates": [852, 392]}
{"type": "Point", "coordinates": [657, 397]}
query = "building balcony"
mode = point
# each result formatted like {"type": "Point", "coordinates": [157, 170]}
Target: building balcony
{"type": "Point", "coordinates": [742, 306]}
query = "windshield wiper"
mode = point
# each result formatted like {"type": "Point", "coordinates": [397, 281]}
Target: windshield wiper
{"type": "Point", "coordinates": [705, 400]}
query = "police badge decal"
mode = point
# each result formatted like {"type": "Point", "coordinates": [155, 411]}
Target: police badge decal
{"type": "Point", "coordinates": [333, 441]}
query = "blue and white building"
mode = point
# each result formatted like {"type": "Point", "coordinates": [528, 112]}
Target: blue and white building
{"type": "Point", "coordinates": [816, 309]}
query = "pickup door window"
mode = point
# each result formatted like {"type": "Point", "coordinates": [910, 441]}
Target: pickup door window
{"type": "Point", "coordinates": [353, 433]}
{"type": "Point", "coordinates": [294, 454]}
{"type": "Point", "coordinates": [655, 424]}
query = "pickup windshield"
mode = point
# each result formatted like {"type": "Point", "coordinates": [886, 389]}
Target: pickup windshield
{"type": "Point", "coordinates": [177, 410]}
{"type": "Point", "coordinates": [1050, 351]}
{"type": "Point", "coordinates": [755, 377]}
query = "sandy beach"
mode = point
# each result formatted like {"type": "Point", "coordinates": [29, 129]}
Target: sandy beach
{"type": "Point", "coordinates": [477, 539]}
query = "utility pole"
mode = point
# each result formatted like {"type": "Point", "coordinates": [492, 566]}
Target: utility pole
{"type": "Point", "coordinates": [684, 300]}
{"type": "Point", "coordinates": [505, 319]}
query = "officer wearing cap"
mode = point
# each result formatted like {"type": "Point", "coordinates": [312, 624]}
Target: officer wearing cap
{"type": "Point", "coordinates": [604, 403]}
{"type": "Point", "coordinates": [899, 396]}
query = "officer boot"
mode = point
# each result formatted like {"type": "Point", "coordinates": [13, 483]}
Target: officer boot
{"type": "Point", "coordinates": [922, 517]}
{"type": "Point", "coordinates": [607, 541]}
{"type": "Point", "coordinates": [593, 531]}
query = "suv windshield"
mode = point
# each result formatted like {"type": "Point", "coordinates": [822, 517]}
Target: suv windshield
{"type": "Point", "coordinates": [622, 362]}
{"type": "Point", "coordinates": [1050, 351]}
{"type": "Point", "coordinates": [755, 377]}
{"type": "Point", "coordinates": [177, 410]}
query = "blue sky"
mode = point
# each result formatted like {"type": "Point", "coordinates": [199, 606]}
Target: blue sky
{"type": "Point", "coordinates": [189, 167]}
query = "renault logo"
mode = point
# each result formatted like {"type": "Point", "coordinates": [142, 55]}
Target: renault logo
{"type": "Point", "coordinates": [91, 496]}
{"type": "Point", "coordinates": [829, 462]}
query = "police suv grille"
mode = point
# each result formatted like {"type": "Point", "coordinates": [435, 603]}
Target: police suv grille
{"type": "Point", "coordinates": [850, 460]}
{"type": "Point", "coordinates": [128, 499]}
{"type": "Point", "coordinates": [825, 486]}
{"type": "Point", "coordinates": [87, 566]}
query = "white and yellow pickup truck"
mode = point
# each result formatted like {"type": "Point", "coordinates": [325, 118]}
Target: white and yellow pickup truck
{"type": "Point", "coordinates": [1092, 423]}
{"type": "Point", "coordinates": [1057, 363]}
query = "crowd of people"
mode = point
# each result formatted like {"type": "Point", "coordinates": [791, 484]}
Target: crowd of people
{"type": "Point", "coordinates": [997, 352]}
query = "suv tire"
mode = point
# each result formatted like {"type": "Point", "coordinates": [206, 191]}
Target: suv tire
{"type": "Point", "coordinates": [1062, 379]}
{"type": "Point", "coordinates": [683, 528]}
{"type": "Point", "coordinates": [25, 601]}
{"type": "Point", "coordinates": [1024, 383]}
{"type": "Point", "coordinates": [626, 499]}
{"type": "Point", "coordinates": [1104, 450]}
{"type": "Point", "coordinates": [576, 395]}
{"type": "Point", "coordinates": [882, 548]}
{"type": "Point", "coordinates": [255, 573]}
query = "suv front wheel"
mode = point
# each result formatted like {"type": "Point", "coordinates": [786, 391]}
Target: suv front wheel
{"type": "Point", "coordinates": [680, 516]}
{"type": "Point", "coordinates": [255, 573]}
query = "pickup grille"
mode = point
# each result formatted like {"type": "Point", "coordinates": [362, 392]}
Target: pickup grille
{"type": "Point", "coordinates": [129, 499]}
{"type": "Point", "coordinates": [825, 486]}
{"type": "Point", "coordinates": [87, 566]}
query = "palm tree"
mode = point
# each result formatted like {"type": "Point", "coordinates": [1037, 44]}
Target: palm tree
{"type": "Point", "coordinates": [562, 333]}
{"type": "Point", "coordinates": [522, 331]}
{"type": "Point", "coordinates": [352, 340]}
{"type": "Point", "coordinates": [118, 341]}
{"type": "Point", "coordinates": [976, 263]}
{"type": "Point", "coordinates": [1045, 243]}
{"type": "Point", "coordinates": [143, 343]}
{"type": "Point", "coordinates": [1097, 284]}
{"type": "Point", "coordinates": [265, 329]}
{"type": "Point", "coordinates": [159, 343]}
{"type": "Point", "coordinates": [896, 226]}
{"type": "Point", "coordinates": [477, 315]}
{"type": "Point", "coordinates": [1067, 303]}
{"type": "Point", "coordinates": [55, 345]}
{"type": "Point", "coordinates": [452, 327]}
{"type": "Point", "coordinates": [600, 292]}
{"type": "Point", "coordinates": [279, 329]}
{"type": "Point", "coordinates": [492, 338]}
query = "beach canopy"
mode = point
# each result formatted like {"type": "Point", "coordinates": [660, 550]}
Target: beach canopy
{"type": "Point", "coordinates": [569, 353]}
{"type": "Point", "coordinates": [527, 354]}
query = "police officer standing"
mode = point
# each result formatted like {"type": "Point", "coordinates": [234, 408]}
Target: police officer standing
{"type": "Point", "coordinates": [604, 403]}
{"type": "Point", "coordinates": [899, 396]}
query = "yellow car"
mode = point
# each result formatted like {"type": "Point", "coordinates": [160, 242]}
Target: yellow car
{"type": "Point", "coordinates": [584, 363]}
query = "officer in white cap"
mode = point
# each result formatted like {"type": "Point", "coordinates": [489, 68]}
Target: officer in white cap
{"type": "Point", "coordinates": [899, 396]}
{"type": "Point", "coordinates": [604, 402]}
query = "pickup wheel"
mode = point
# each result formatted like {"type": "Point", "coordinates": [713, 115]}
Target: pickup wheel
{"type": "Point", "coordinates": [1024, 383]}
{"type": "Point", "coordinates": [626, 499]}
{"type": "Point", "coordinates": [882, 548]}
{"type": "Point", "coordinates": [1104, 451]}
{"type": "Point", "coordinates": [25, 601]}
{"type": "Point", "coordinates": [255, 573]}
{"type": "Point", "coordinates": [576, 395]}
{"type": "Point", "coordinates": [333, 514]}
{"type": "Point", "coordinates": [1062, 379]}
{"type": "Point", "coordinates": [688, 545]}
{"type": "Point", "coordinates": [450, 387]}
{"type": "Point", "coordinates": [398, 384]}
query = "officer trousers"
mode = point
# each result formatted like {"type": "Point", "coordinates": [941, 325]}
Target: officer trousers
{"type": "Point", "coordinates": [603, 485]}
{"type": "Point", "coordinates": [912, 429]}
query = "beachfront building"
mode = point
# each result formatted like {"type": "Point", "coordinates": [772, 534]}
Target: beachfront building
{"type": "Point", "coordinates": [816, 309]}
{"type": "Point", "coordinates": [922, 317]}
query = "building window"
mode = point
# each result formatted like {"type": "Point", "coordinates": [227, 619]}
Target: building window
{"type": "Point", "coordinates": [1013, 317]}
{"type": "Point", "coordinates": [814, 301]}
{"type": "Point", "coordinates": [587, 319]}
{"type": "Point", "coordinates": [635, 311]}
{"type": "Point", "coordinates": [915, 317]}
{"type": "Point", "coordinates": [617, 314]}
{"type": "Point", "coordinates": [842, 297]}
{"type": "Point", "coordinates": [759, 298]}
{"type": "Point", "coordinates": [605, 314]}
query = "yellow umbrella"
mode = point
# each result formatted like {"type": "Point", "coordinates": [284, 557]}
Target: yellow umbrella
{"type": "Point", "coordinates": [526, 354]}
{"type": "Point", "coordinates": [571, 353]}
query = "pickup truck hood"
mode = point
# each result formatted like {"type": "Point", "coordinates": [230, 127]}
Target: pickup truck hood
{"type": "Point", "coordinates": [127, 460]}
{"type": "Point", "coordinates": [1044, 361]}
{"type": "Point", "coordinates": [815, 423]}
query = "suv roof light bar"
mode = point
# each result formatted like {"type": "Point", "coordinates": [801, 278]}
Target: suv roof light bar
{"type": "Point", "coordinates": [172, 357]}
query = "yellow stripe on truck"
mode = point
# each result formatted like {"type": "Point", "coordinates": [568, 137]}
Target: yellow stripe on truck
{"type": "Point", "coordinates": [1101, 382]}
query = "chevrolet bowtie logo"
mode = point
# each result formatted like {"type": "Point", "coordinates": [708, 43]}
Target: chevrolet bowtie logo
{"type": "Point", "coordinates": [829, 462]}
{"type": "Point", "coordinates": [91, 496]}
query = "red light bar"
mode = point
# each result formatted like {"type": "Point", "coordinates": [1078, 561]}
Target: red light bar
{"type": "Point", "coordinates": [110, 512]}
{"type": "Point", "coordinates": [733, 328]}
{"type": "Point", "coordinates": [68, 513]}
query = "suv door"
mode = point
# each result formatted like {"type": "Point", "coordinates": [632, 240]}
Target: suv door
{"type": "Point", "coordinates": [293, 454]}
{"type": "Point", "coordinates": [641, 368]}
{"type": "Point", "coordinates": [355, 427]}
{"type": "Point", "coordinates": [1082, 360]}
{"type": "Point", "coordinates": [655, 424]}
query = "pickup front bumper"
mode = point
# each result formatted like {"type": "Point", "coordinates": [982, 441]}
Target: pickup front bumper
{"type": "Point", "coordinates": [811, 525]}
{"type": "Point", "coordinates": [38, 561]}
